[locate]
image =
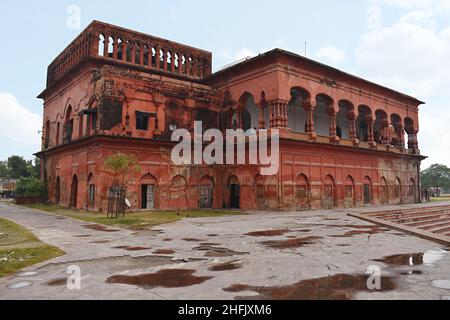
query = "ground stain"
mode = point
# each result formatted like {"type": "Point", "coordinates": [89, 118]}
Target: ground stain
{"type": "Point", "coordinates": [370, 230]}
{"type": "Point", "coordinates": [337, 287]}
{"type": "Point", "coordinates": [212, 235]}
{"type": "Point", "coordinates": [97, 227]}
{"type": "Point", "coordinates": [173, 278]}
{"type": "Point", "coordinates": [128, 248]}
{"type": "Point", "coordinates": [411, 272]}
{"type": "Point", "coordinates": [410, 259]}
{"type": "Point", "coordinates": [164, 251]}
{"type": "Point", "coordinates": [268, 233]}
{"type": "Point", "coordinates": [212, 251]}
{"type": "Point", "coordinates": [228, 266]}
{"type": "Point", "coordinates": [83, 236]}
{"type": "Point", "coordinates": [100, 241]}
{"type": "Point", "coordinates": [291, 243]}
{"type": "Point", "coordinates": [192, 240]}
{"type": "Point", "coordinates": [57, 282]}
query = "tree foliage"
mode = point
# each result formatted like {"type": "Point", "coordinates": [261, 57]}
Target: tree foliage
{"type": "Point", "coordinates": [122, 165]}
{"type": "Point", "coordinates": [16, 167]}
{"type": "Point", "coordinates": [30, 187]}
{"type": "Point", "coordinates": [436, 176]}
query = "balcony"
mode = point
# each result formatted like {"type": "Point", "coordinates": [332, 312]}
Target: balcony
{"type": "Point", "coordinates": [102, 41]}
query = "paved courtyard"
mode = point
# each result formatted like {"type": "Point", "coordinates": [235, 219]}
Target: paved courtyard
{"type": "Point", "coordinates": [297, 255]}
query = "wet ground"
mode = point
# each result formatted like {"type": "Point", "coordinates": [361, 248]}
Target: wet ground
{"type": "Point", "coordinates": [304, 255]}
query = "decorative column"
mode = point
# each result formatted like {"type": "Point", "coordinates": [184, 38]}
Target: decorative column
{"type": "Point", "coordinates": [158, 57]}
{"type": "Point", "coordinates": [371, 136]}
{"type": "Point", "coordinates": [278, 114]}
{"type": "Point", "coordinates": [124, 50]}
{"type": "Point", "coordinates": [413, 144]}
{"type": "Point", "coordinates": [352, 130]}
{"type": "Point", "coordinates": [333, 125]}
{"type": "Point", "coordinates": [310, 106]}
{"type": "Point", "coordinates": [262, 115]}
{"type": "Point", "coordinates": [401, 137]}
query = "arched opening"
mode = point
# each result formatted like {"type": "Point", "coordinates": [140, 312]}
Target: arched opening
{"type": "Point", "coordinates": [367, 191]}
{"type": "Point", "coordinates": [47, 135]}
{"type": "Point", "coordinates": [362, 123]}
{"type": "Point", "coordinates": [161, 59]}
{"type": "Point", "coordinates": [110, 47]}
{"type": "Point", "coordinates": [302, 192]}
{"type": "Point", "coordinates": [206, 187]}
{"type": "Point", "coordinates": [137, 53]}
{"type": "Point", "coordinates": [120, 53]}
{"type": "Point", "coordinates": [129, 50]}
{"type": "Point", "coordinates": [91, 191]}
{"type": "Point", "coordinates": [398, 138]}
{"type": "Point", "coordinates": [58, 191]}
{"type": "Point", "coordinates": [381, 127]}
{"type": "Point", "coordinates": [74, 193]}
{"type": "Point", "coordinates": [296, 110]}
{"type": "Point", "coordinates": [68, 125]}
{"type": "Point", "coordinates": [148, 190]}
{"type": "Point", "coordinates": [179, 193]}
{"type": "Point", "coordinates": [322, 115]}
{"type": "Point", "coordinates": [58, 128]}
{"type": "Point", "coordinates": [101, 45]}
{"type": "Point", "coordinates": [329, 193]}
{"type": "Point", "coordinates": [397, 189]}
{"type": "Point", "coordinates": [349, 192]}
{"type": "Point", "coordinates": [343, 119]}
{"type": "Point", "coordinates": [235, 192]}
{"type": "Point", "coordinates": [384, 191]}
{"type": "Point", "coordinates": [154, 57]}
{"type": "Point", "coordinates": [247, 116]}
{"type": "Point", "coordinates": [169, 60]}
{"type": "Point", "coordinates": [260, 192]}
{"type": "Point", "coordinates": [146, 55]}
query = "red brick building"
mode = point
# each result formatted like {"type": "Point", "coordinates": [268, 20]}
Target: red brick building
{"type": "Point", "coordinates": [344, 141]}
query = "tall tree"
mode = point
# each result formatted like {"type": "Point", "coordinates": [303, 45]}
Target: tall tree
{"type": "Point", "coordinates": [4, 171]}
{"type": "Point", "coordinates": [18, 167]}
{"type": "Point", "coordinates": [436, 176]}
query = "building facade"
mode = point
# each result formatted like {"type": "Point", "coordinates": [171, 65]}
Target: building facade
{"type": "Point", "coordinates": [344, 141]}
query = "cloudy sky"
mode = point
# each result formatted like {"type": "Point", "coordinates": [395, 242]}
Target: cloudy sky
{"type": "Point", "coordinates": [404, 44]}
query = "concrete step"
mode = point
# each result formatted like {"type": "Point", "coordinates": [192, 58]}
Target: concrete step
{"type": "Point", "coordinates": [435, 226]}
{"type": "Point", "coordinates": [408, 211]}
{"type": "Point", "coordinates": [389, 216]}
{"type": "Point", "coordinates": [426, 222]}
{"type": "Point", "coordinates": [419, 218]}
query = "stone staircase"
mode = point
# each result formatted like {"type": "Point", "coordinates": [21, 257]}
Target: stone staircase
{"type": "Point", "coordinates": [428, 221]}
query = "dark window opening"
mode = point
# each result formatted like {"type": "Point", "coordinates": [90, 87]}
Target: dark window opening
{"type": "Point", "coordinates": [142, 120]}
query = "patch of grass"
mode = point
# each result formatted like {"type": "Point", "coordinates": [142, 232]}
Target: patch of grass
{"type": "Point", "coordinates": [19, 248]}
{"type": "Point", "coordinates": [440, 199]}
{"type": "Point", "coordinates": [13, 260]}
{"type": "Point", "coordinates": [137, 220]}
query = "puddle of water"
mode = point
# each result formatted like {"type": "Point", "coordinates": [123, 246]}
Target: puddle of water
{"type": "Point", "coordinates": [338, 287]}
{"type": "Point", "coordinates": [211, 251]}
{"type": "Point", "coordinates": [173, 278]}
{"type": "Point", "coordinates": [268, 233]}
{"type": "Point", "coordinates": [411, 272]}
{"type": "Point", "coordinates": [291, 243]}
{"type": "Point", "coordinates": [20, 285]}
{"type": "Point", "coordinates": [97, 227]}
{"type": "Point", "coordinates": [431, 257]}
{"type": "Point", "coordinates": [441, 284]}
{"type": "Point", "coordinates": [228, 266]}
{"type": "Point", "coordinates": [27, 274]}
{"type": "Point", "coordinates": [164, 251]}
{"type": "Point", "coordinates": [410, 259]}
{"type": "Point", "coordinates": [57, 282]}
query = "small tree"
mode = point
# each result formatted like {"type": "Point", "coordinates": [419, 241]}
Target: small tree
{"type": "Point", "coordinates": [121, 166]}
{"type": "Point", "coordinates": [30, 187]}
{"type": "Point", "coordinates": [436, 176]}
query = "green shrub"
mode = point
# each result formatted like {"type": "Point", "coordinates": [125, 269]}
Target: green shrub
{"type": "Point", "coordinates": [30, 187]}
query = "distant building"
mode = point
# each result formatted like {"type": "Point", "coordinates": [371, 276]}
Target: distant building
{"type": "Point", "coordinates": [7, 187]}
{"type": "Point", "coordinates": [345, 141]}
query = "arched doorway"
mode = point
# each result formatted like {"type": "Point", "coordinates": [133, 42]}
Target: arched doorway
{"type": "Point", "coordinates": [349, 192]}
{"type": "Point", "coordinates": [74, 193]}
{"type": "Point", "coordinates": [58, 191]}
{"type": "Point", "coordinates": [206, 187]}
{"type": "Point", "coordinates": [148, 188]}
{"type": "Point", "coordinates": [328, 201]}
{"type": "Point", "coordinates": [397, 190]}
{"type": "Point", "coordinates": [91, 191]}
{"type": "Point", "coordinates": [367, 191]}
{"type": "Point", "coordinates": [235, 192]}
{"type": "Point", "coordinates": [412, 191]}
{"type": "Point", "coordinates": [260, 192]}
{"type": "Point", "coordinates": [302, 192]}
{"type": "Point", "coordinates": [384, 191]}
{"type": "Point", "coordinates": [179, 193]}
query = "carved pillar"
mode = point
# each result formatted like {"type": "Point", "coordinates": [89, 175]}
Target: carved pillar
{"type": "Point", "coordinates": [261, 115]}
{"type": "Point", "coordinates": [115, 48]}
{"type": "Point", "coordinates": [332, 113]}
{"type": "Point", "coordinates": [165, 59]}
{"type": "Point", "coordinates": [158, 57]}
{"type": "Point", "coordinates": [133, 53]}
{"type": "Point", "coordinates": [124, 50]}
{"type": "Point", "coordinates": [180, 63]}
{"type": "Point", "coordinates": [310, 106]}
{"type": "Point", "coordinates": [413, 144]}
{"type": "Point", "coordinates": [353, 135]}
{"type": "Point", "coordinates": [278, 112]}
{"type": "Point", "coordinates": [401, 137]}
{"type": "Point", "coordinates": [371, 136]}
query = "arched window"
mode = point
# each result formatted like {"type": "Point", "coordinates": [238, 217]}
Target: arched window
{"type": "Point", "coordinates": [206, 186]}
{"type": "Point", "coordinates": [74, 193]}
{"type": "Point", "coordinates": [302, 192]}
{"type": "Point", "coordinates": [349, 192]}
{"type": "Point", "coordinates": [367, 191]}
{"type": "Point", "coordinates": [179, 193]}
{"type": "Point", "coordinates": [91, 191]}
{"type": "Point", "coordinates": [384, 191]}
{"type": "Point", "coordinates": [101, 45]}
{"type": "Point", "coordinates": [68, 126]}
{"type": "Point", "coordinates": [296, 110]}
{"type": "Point", "coordinates": [47, 135]}
{"type": "Point", "coordinates": [329, 192]}
{"type": "Point", "coordinates": [397, 188]}
{"type": "Point", "coordinates": [110, 47]}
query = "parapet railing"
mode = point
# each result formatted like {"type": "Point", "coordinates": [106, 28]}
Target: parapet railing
{"type": "Point", "coordinates": [104, 41]}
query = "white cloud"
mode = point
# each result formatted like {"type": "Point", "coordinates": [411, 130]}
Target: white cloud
{"type": "Point", "coordinates": [18, 128]}
{"type": "Point", "coordinates": [332, 55]}
{"type": "Point", "coordinates": [244, 53]}
{"type": "Point", "coordinates": [411, 56]}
